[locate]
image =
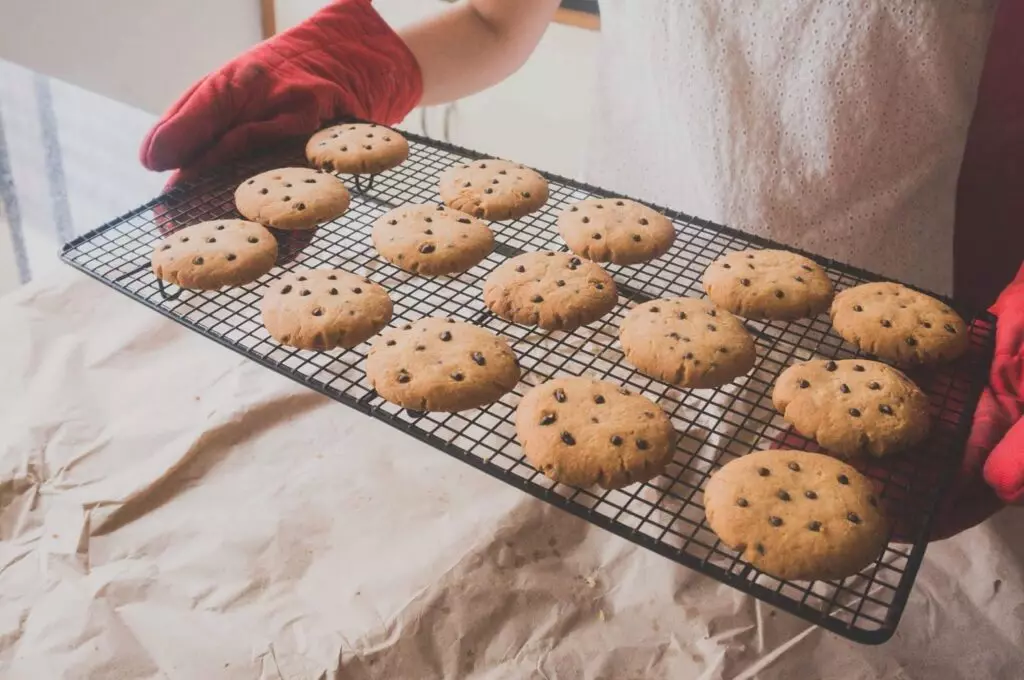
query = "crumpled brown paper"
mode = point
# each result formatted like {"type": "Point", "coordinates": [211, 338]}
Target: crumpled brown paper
{"type": "Point", "coordinates": [169, 509]}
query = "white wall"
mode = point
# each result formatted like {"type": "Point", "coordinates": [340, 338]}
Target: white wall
{"type": "Point", "coordinates": [141, 52]}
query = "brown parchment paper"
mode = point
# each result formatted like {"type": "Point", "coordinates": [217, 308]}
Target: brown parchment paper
{"type": "Point", "coordinates": [170, 510]}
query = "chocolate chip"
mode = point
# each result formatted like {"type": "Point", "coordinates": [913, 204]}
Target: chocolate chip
{"type": "Point", "coordinates": [483, 165]}
{"type": "Point", "coordinates": [537, 298]}
{"type": "Point", "coordinates": [502, 172]}
{"type": "Point", "coordinates": [548, 418]}
{"type": "Point", "coordinates": [403, 377]}
{"type": "Point", "coordinates": [855, 412]}
{"type": "Point", "coordinates": [642, 444]}
{"type": "Point", "coordinates": [843, 479]}
{"type": "Point", "coordinates": [445, 336]}
{"type": "Point", "coordinates": [764, 472]}
{"type": "Point", "coordinates": [745, 282]}
{"type": "Point", "coordinates": [220, 227]}
{"type": "Point", "coordinates": [636, 237]}
{"type": "Point", "coordinates": [429, 232]}
{"type": "Point", "coordinates": [368, 147]}
{"type": "Point", "coordinates": [759, 548]}
{"type": "Point", "coordinates": [712, 328]}
{"type": "Point", "coordinates": [798, 279]}
{"type": "Point", "coordinates": [726, 265]}
{"type": "Point", "coordinates": [811, 495]}
{"type": "Point", "coordinates": [419, 348]}
{"type": "Point", "coordinates": [620, 203]}
{"type": "Point", "coordinates": [831, 366]}
{"type": "Point", "coordinates": [561, 283]}
{"type": "Point", "coordinates": [575, 261]}
{"type": "Point", "coordinates": [599, 286]}
{"type": "Point", "coordinates": [853, 517]}
{"type": "Point", "coordinates": [286, 290]}
{"type": "Point", "coordinates": [814, 526]}
{"type": "Point", "coordinates": [287, 185]}
{"type": "Point", "coordinates": [286, 199]}
{"type": "Point", "coordinates": [428, 219]}
{"type": "Point", "coordinates": [925, 324]}
{"type": "Point", "coordinates": [407, 327]}
{"type": "Point", "coordinates": [520, 269]}
{"type": "Point", "coordinates": [688, 355]}
{"type": "Point", "coordinates": [166, 247]}
{"type": "Point", "coordinates": [804, 384]}
{"type": "Point", "coordinates": [253, 239]}
{"type": "Point", "coordinates": [303, 292]}
{"type": "Point", "coordinates": [427, 248]}
{"type": "Point", "coordinates": [467, 184]}
{"type": "Point", "coordinates": [328, 165]}
{"type": "Point", "coordinates": [264, 191]}
{"type": "Point", "coordinates": [742, 502]}
{"type": "Point", "coordinates": [458, 377]}
{"type": "Point", "coordinates": [597, 237]}
{"type": "Point", "coordinates": [568, 438]}
{"type": "Point", "coordinates": [643, 221]}
{"type": "Point", "coordinates": [301, 278]}
{"type": "Point", "coordinates": [488, 190]}
{"type": "Point", "coordinates": [334, 277]}
{"type": "Point", "coordinates": [616, 440]}
{"type": "Point", "coordinates": [886, 409]}
{"type": "Point", "coordinates": [874, 386]}
{"type": "Point", "coordinates": [526, 194]}
{"type": "Point", "coordinates": [250, 181]}
{"type": "Point", "coordinates": [783, 495]}
{"type": "Point", "coordinates": [333, 291]}
{"type": "Point", "coordinates": [674, 336]}
{"type": "Point", "coordinates": [311, 180]}
{"type": "Point", "coordinates": [949, 327]}
{"type": "Point", "coordinates": [712, 312]}
{"type": "Point", "coordinates": [682, 316]}
{"type": "Point", "coordinates": [599, 206]}
{"type": "Point", "coordinates": [624, 392]}
{"type": "Point", "coordinates": [655, 309]}
{"type": "Point", "coordinates": [585, 220]}
{"type": "Point", "coordinates": [318, 311]}
{"type": "Point", "coordinates": [911, 341]}
{"type": "Point", "coordinates": [775, 521]}
{"type": "Point", "coordinates": [560, 395]}
{"type": "Point", "coordinates": [858, 368]}
{"type": "Point", "coordinates": [197, 260]}
{"type": "Point", "coordinates": [357, 290]}
{"type": "Point", "coordinates": [779, 294]}
{"type": "Point", "coordinates": [369, 134]}
{"type": "Point", "coordinates": [858, 308]}
{"type": "Point", "coordinates": [230, 257]}
{"type": "Point", "coordinates": [463, 220]}
{"type": "Point", "coordinates": [844, 388]}
{"type": "Point", "coordinates": [478, 358]}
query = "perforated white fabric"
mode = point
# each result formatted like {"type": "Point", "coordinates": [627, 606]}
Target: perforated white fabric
{"type": "Point", "coordinates": [837, 126]}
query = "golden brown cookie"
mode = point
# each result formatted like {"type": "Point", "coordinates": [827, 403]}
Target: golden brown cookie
{"type": "Point", "coordinates": [796, 515]}
{"type": "Point", "coordinates": [493, 189]}
{"type": "Point", "coordinates": [324, 308]}
{"type": "Point", "coordinates": [853, 406]}
{"type": "Point", "coordinates": [431, 240]}
{"type": "Point", "coordinates": [211, 255]}
{"type": "Point", "coordinates": [555, 291]}
{"type": "Point", "coordinates": [686, 342]}
{"type": "Point", "coordinates": [441, 365]}
{"type": "Point", "coordinates": [768, 284]}
{"type": "Point", "coordinates": [357, 148]}
{"type": "Point", "coordinates": [292, 198]}
{"type": "Point", "coordinates": [898, 324]}
{"type": "Point", "coordinates": [615, 230]}
{"type": "Point", "coordinates": [580, 431]}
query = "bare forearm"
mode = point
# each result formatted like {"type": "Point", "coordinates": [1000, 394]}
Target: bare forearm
{"type": "Point", "coordinates": [475, 44]}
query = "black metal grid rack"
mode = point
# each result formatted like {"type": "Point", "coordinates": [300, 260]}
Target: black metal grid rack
{"type": "Point", "coordinates": [664, 515]}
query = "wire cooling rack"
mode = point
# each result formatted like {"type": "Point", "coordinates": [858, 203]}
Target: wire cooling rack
{"type": "Point", "coordinates": [665, 515]}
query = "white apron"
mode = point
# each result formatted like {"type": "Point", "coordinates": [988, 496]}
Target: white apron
{"type": "Point", "coordinates": [836, 126]}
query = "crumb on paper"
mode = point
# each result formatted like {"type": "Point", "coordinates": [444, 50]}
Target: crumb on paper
{"type": "Point", "coordinates": [591, 581]}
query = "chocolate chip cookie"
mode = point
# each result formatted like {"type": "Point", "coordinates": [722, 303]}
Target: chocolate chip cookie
{"type": "Point", "coordinates": [615, 230]}
{"type": "Point", "coordinates": [580, 431]}
{"type": "Point", "coordinates": [431, 240]}
{"type": "Point", "coordinates": [898, 324]}
{"type": "Point", "coordinates": [324, 308]}
{"type": "Point", "coordinates": [555, 291]}
{"type": "Point", "coordinates": [211, 255]}
{"type": "Point", "coordinates": [686, 342]}
{"type": "Point", "coordinates": [292, 198]}
{"type": "Point", "coordinates": [768, 284]}
{"type": "Point", "coordinates": [357, 148]}
{"type": "Point", "coordinates": [493, 189]}
{"type": "Point", "coordinates": [796, 515]}
{"type": "Point", "coordinates": [441, 365]}
{"type": "Point", "coordinates": [853, 406]}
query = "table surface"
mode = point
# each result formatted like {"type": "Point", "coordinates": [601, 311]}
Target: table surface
{"type": "Point", "coordinates": [169, 509]}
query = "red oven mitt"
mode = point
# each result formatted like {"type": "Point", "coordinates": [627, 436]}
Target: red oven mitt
{"type": "Point", "coordinates": [343, 61]}
{"type": "Point", "coordinates": [992, 471]}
